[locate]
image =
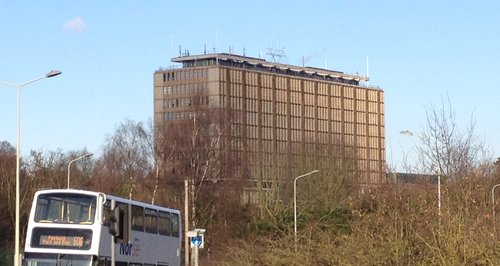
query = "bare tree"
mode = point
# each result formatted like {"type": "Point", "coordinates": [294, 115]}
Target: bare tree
{"type": "Point", "coordinates": [201, 149]}
{"type": "Point", "coordinates": [126, 158]}
{"type": "Point", "coordinates": [447, 149]}
{"type": "Point", "coordinates": [7, 190]}
{"type": "Point", "coordinates": [47, 169]}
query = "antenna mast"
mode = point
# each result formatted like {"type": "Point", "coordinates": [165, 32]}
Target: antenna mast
{"type": "Point", "coordinates": [277, 55]}
{"type": "Point", "coordinates": [367, 72]}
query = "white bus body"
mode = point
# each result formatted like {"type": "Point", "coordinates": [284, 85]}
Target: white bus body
{"type": "Point", "coordinates": [70, 227]}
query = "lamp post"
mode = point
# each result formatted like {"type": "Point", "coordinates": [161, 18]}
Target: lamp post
{"type": "Point", "coordinates": [295, 204]}
{"type": "Point", "coordinates": [493, 206]}
{"type": "Point", "coordinates": [439, 196]}
{"type": "Point", "coordinates": [409, 133]}
{"type": "Point", "coordinates": [18, 87]}
{"type": "Point", "coordinates": [74, 160]}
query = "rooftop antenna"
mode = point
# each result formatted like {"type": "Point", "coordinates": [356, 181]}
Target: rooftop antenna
{"type": "Point", "coordinates": [367, 72]}
{"type": "Point", "coordinates": [180, 53]}
{"type": "Point", "coordinates": [277, 55]}
{"type": "Point", "coordinates": [205, 49]}
{"type": "Point", "coordinates": [216, 37]}
{"type": "Point", "coordinates": [215, 48]}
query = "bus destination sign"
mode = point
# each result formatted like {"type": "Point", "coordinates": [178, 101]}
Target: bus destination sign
{"type": "Point", "coordinates": [65, 241]}
{"type": "Point", "coordinates": [66, 238]}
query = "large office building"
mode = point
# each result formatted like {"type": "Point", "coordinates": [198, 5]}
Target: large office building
{"type": "Point", "coordinates": [280, 109]}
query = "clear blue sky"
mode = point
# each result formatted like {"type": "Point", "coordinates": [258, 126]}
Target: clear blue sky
{"type": "Point", "coordinates": [419, 52]}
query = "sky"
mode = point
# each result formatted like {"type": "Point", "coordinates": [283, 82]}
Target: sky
{"type": "Point", "coordinates": [419, 52]}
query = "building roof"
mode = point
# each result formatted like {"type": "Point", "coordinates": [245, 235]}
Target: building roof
{"type": "Point", "coordinates": [252, 61]}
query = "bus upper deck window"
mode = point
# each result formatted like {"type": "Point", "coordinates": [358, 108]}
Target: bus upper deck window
{"type": "Point", "coordinates": [65, 208]}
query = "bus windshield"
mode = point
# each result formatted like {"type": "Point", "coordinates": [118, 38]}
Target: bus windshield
{"type": "Point", "coordinates": [65, 208]}
{"type": "Point", "coordinates": [57, 260]}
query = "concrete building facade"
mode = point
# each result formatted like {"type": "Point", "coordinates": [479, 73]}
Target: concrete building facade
{"type": "Point", "coordinates": [281, 109]}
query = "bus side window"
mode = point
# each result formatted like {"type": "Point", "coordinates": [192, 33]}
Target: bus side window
{"type": "Point", "coordinates": [164, 223]}
{"type": "Point", "coordinates": [151, 224]}
{"type": "Point", "coordinates": [137, 218]}
{"type": "Point", "coordinates": [175, 224]}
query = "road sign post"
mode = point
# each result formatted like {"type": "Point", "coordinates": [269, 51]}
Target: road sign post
{"type": "Point", "coordinates": [197, 240]}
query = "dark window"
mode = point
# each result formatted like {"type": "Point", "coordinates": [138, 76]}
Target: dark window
{"type": "Point", "coordinates": [164, 223]}
{"type": "Point", "coordinates": [175, 224]}
{"type": "Point", "coordinates": [151, 221]}
{"type": "Point", "coordinates": [137, 218]}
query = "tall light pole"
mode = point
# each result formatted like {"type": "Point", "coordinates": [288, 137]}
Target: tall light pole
{"type": "Point", "coordinates": [74, 160]}
{"type": "Point", "coordinates": [493, 206]}
{"type": "Point", "coordinates": [18, 87]}
{"type": "Point", "coordinates": [438, 172]}
{"type": "Point", "coordinates": [295, 204]}
{"type": "Point", "coordinates": [439, 196]}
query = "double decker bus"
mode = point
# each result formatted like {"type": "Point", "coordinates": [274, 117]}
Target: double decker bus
{"type": "Point", "coordinates": [71, 227]}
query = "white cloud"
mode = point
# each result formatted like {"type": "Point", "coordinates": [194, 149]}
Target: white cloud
{"type": "Point", "coordinates": [77, 24]}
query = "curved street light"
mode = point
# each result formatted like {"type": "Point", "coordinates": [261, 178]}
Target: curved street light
{"type": "Point", "coordinates": [74, 160]}
{"type": "Point", "coordinates": [438, 172]}
{"type": "Point", "coordinates": [18, 87]}
{"type": "Point", "coordinates": [295, 204]}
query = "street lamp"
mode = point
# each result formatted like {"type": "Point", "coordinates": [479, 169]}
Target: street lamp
{"type": "Point", "coordinates": [406, 132]}
{"type": "Point", "coordinates": [74, 160]}
{"type": "Point", "coordinates": [18, 87]}
{"type": "Point", "coordinates": [295, 204]}
{"type": "Point", "coordinates": [493, 201]}
{"type": "Point", "coordinates": [439, 194]}
{"type": "Point", "coordinates": [409, 133]}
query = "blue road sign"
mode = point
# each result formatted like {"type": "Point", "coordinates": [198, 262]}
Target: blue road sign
{"type": "Point", "coordinates": [196, 241]}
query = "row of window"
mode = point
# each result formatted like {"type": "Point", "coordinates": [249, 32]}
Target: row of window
{"type": "Point", "coordinates": [297, 136]}
{"type": "Point", "coordinates": [180, 102]}
{"type": "Point", "coordinates": [309, 113]}
{"type": "Point", "coordinates": [172, 116]}
{"type": "Point", "coordinates": [185, 88]}
{"type": "Point", "coordinates": [308, 86]}
{"type": "Point", "coordinates": [147, 220]}
{"type": "Point", "coordinates": [185, 74]}
{"type": "Point", "coordinates": [296, 105]}
{"type": "Point", "coordinates": [310, 123]}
